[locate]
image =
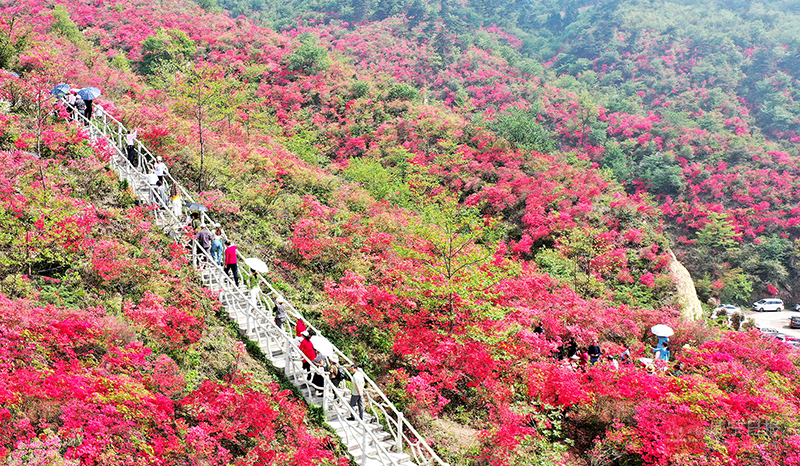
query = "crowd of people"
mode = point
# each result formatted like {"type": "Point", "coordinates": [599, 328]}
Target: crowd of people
{"type": "Point", "coordinates": [578, 359]}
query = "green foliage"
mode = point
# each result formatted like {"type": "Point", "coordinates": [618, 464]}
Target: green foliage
{"type": "Point", "coordinates": [11, 44]}
{"type": "Point", "coordinates": [521, 128]}
{"type": "Point", "coordinates": [663, 173]}
{"type": "Point", "coordinates": [308, 59]}
{"type": "Point", "coordinates": [166, 52]}
{"type": "Point", "coordinates": [120, 62]}
{"type": "Point", "coordinates": [379, 181]}
{"type": "Point", "coordinates": [737, 288]}
{"type": "Point", "coordinates": [64, 26]}
{"type": "Point", "coordinates": [717, 235]}
{"type": "Point", "coordinates": [402, 91]}
{"type": "Point", "coordinates": [556, 264]}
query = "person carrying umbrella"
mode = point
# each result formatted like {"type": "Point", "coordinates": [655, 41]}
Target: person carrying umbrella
{"type": "Point", "coordinates": [88, 94]}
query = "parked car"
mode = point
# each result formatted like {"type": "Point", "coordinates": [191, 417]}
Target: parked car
{"type": "Point", "coordinates": [768, 305]}
{"type": "Point", "coordinates": [794, 322]}
{"type": "Point", "coordinates": [729, 309]}
{"type": "Point", "coordinates": [769, 331]}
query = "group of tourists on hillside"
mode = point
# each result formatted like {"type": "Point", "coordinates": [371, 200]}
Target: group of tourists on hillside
{"type": "Point", "coordinates": [579, 359]}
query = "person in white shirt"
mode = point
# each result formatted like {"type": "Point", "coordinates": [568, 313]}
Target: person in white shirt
{"type": "Point", "coordinates": [160, 168]}
{"type": "Point", "coordinates": [357, 393]}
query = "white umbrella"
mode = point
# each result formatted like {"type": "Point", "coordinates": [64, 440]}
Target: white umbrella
{"type": "Point", "coordinates": [256, 265]}
{"type": "Point", "coordinates": [662, 330]}
{"type": "Point", "coordinates": [322, 345]}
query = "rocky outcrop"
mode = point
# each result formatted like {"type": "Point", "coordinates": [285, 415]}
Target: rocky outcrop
{"type": "Point", "coordinates": [687, 295]}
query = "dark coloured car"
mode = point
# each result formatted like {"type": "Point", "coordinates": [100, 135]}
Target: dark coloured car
{"type": "Point", "coordinates": [794, 322]}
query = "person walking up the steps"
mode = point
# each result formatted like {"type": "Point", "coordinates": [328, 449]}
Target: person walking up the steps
{"type": "Point", "coordinates": [217, 247]}
{"type": "Point", "coordinates": [204, 239]}
{"type": "Point", "coordinates": [231, 262]}
{"type": "Point", "coordinates": [357, 393]}
{"type": "Point", "coordinates": [130, 146]}
{"type": "Point", "coordinates": [308, 350]}
{"type": "Point", "coordinates": [72, 99]}
{"type": "Point", "coordinates": [280, 313]}
{"type": "Point", "coordinates": [80, 107]}
{"type": "Point", "coordinates": [160, 168]}
{"type": "Point", "coordinates": [89, 104]}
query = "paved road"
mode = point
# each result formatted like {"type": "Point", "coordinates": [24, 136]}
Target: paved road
{"type": "Point", "coordinates": [776, 320]}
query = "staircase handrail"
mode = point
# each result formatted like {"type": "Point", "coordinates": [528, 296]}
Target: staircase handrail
{"type": "Point", "coordinates": [229, 287]}
{"type": "Point", "coordinates": [416, 442]}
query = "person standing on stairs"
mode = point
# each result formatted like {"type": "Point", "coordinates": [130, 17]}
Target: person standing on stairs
{"type": "Point", "coordinates": [89, 104]}
{"type": "Point", "coordinates": [280, 313]}
{"type": "Point", "coordinates": [160, 168]}
{"type": "Point", "coordinates": [80, 107]}
{"type": "Point", "coordinates": [357, 393]}
{"type": "Point", "coordinates": [217, 248]}
{"type": "Point", "coordinates": [308, 350]}
{"type": "Point", "coordinates": [231, 261]}
{"type": "Point", "coordinates": [130, 146]}
{"type": "Point", "coordinates": [72, 99]}
{"type": "Point", "coordinates": [301, 327]}
{"type": "Point", "coordinates": [204, 239]}
{"type": "Point", "coordinates": [161, 194]}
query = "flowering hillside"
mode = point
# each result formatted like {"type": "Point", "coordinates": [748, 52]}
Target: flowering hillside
{"type": "Point", "coordinates": [105, 334]}
{"type": "Point", "coordinates": [693, 104]}
{"type": "Point", "coordinates": [454, 259]}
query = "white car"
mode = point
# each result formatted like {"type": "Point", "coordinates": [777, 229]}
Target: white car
{"type": "Point", "coordinates": [769, 331]}
{"type": "Point", "coordinates": [768, 305]}
{"type": "Point", "coordinates": [729, 309]}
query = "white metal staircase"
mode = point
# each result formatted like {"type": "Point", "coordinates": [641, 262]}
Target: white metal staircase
{"type": "Point", "coordinates": [384, 436]}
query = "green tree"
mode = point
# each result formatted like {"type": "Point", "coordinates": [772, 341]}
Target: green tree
{"type": "Point", "coordinates": [717, 236]}
{"type": "Point", "coordinates": [308, 59]}
{"type": "Point", "coordinates": [454, 247]}
{"type": "Point", "coordinates": [64, 26]}
{"type": "Point", "coordinates": [11, 44]}
{"type": "Point", "coordinates": [166, 52]}
{"type": "Point", "coordinates": [202, 94]}
{"type": "Point", "coordinates": [521, 128]}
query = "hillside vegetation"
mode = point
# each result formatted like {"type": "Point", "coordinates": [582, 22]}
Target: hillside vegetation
{"type": "Point", "coordinates": [430, 187]}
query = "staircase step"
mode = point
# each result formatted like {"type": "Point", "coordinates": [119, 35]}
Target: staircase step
{"type": "Point", "coordinates": [380, 444]}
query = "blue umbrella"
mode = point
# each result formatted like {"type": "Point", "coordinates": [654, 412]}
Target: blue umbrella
{"type": "Point", "coordinates": [89, 93]}
{"type": "Point", "coordinates": [60, 90]}
{"type": "Point", "coordinates": [10, 73]}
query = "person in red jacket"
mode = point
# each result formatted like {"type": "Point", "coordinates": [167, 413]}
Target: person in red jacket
{"type": "Point", "coordinates": [308, 350]}
{"type": "Point", "coordinates": [301, 327]}
{"type": "Point", "coordinates": [230, 261]}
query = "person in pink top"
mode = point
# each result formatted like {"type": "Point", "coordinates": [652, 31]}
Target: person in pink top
{"type": "Point", "coordinates": [230, 261]}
